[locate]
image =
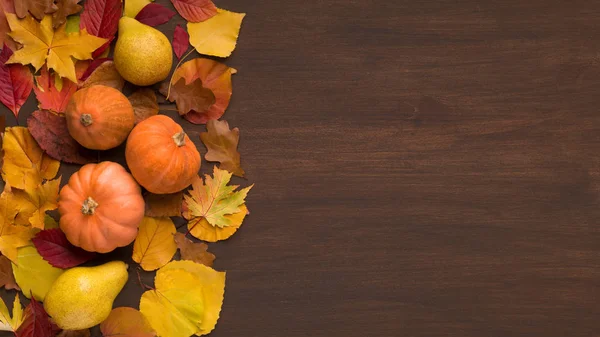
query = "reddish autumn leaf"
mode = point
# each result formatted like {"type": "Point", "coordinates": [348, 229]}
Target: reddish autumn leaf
{"type": "Point", "coordinates": [65, 8]}
{"type": "Point", "coordinates": [154, 14]}
{"type": "Point", "coordinates": [214, 76]}
{"type": "Point", "coordinates": [51, 133]}
{"type": "Point", "coordinates": [7, 279]}
{"type": "Point", "coordinates": [48, 95]}
{"type": "Point", "coordinates": [222, 146]}
{"type": "Point", "coordinates": [195, 10]}
{"type": "Point", "coordinates": [160, 205]}
{"type": "Point", "coordinates": [36, 322]}
{"type": "Point", "coordinates": [144, 104]}
{"type": "Point", "coordinates": [93, 66]}
{"type": "Point", "coordinates": [16, 82]}
{"type": "Point", "coordinates": [37, 8]}
{"type": "Point", "coordinates": [181, 41]}
{"type": "Point", "coordinates": [191, 96]}
{"type": "Point", "coordinates": [106, 74]}
{"type": "Point", "coordinates": [53, 246]}
{"type": "Point", "coordinates": [101, 18]}
{"type": "Point", "coordinates": [6, 6]}
{"type": "Point", "coordinates": [75, 333]}
{"type": "Point", "coordinates": [197, 252]}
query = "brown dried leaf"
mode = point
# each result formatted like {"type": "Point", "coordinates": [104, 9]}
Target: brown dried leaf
{"type": "Point", "coordinates": [37, 8]}
{"type": "Point", "coordinates": [106, 74]}
{"type": "Point", "coordinates": [222, 146]}
{"type": "Point", "coordinates": [159, 205]}
{"type": "Point", "coordinates": [65, 8]}
{"type": "Point", "coordinates": [189, 97]}
{"type": "Point", "coordinates": [144, 104]}
{"type": "Point", "coordinates": [74, 333]}
{"type": "Point", "coordinates": [7, 279]}
{"type": "Point", "coordinates": [197, 252]}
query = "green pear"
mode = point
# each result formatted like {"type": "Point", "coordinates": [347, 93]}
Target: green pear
{"type": "Point", "coordinates": [83, 296]}
{"type": "Point", "coordinates": [143, 55]}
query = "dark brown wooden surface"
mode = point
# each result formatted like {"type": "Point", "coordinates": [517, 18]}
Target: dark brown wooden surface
{"type": "Point", "coordinates": [422, 168]}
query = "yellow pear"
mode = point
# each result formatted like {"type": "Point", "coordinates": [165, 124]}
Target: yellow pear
{"type": "Point", "coordinates": [143, 55]}
{"type": "Point", "coordinates": [83, 296]}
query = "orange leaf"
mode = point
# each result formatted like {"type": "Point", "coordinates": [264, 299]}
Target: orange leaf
{"type": "Point", "coordinates": [214, 76]}
{"type": "Point", "coordinates": [6, 6]}
{"type": "Point", "coordinates": [197, 252]}
{"type": "Point", "coordinates": [144, 104]}
{"type": "Point", "coordinates": [50, 96]}
{"type": "Point", "coordinates": [106, 74]}
{"type": "Point", "coordinates": [160, 205]}
{"type": "Point", "coordinates": [191, 97]}
{"type": "Point", "coordinates": [201, 229]}
{"type": "Point", "coordinates": [126, 322]}
{"type": "Point", "coordinates": [222, 146]}
{"type": "Point", "coordinates": [7, 279]}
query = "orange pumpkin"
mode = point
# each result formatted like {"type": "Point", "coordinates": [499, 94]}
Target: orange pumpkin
{"type": "Point", "coordinates": [99, 117]}
{"type": "Point", "coordinates": [161, 157]}
{"type": "Point", "coordinates": [101, 207]}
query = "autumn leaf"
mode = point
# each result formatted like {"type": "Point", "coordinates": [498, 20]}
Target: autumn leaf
{"type": "Point", "coordinates": [50, 95]}
{"type": "Point", "coordinates": [195, 10]}
{"type": "Point", "coordinates": [65, 8]}
{"type": "Point", "coordinates": [33, 274]}
{"type": "Point", "coordinates": [106, 74]}
{"type": "Point", "coordinates": [212, 199]}
{"type": "Point", "coordinates": [36, 322]}
{"type": "Point", "coordinates": [126, 322]}
{"type": "Point", "coordinates": [191, 97]}
{"type": "Point", "coordinates": [133, 7]}
{"type": "Point", "coordinates": [12, 236]}
{"type": "Point", "coordinates": [154, 15]}
{"type": "Point", "coordinates": [154, 245]}
{"type": "Point", "coordinates": [8, 322]}
{"type": "Point", "coordinates": [37, 8]}
{"type": "Point", "coordinates": [197, 252]}
{"type": "Point", "coordinates": [6, 6]}
{"type": "Point", "coordinates": [222, 144]}
{"type": "Point", "coordinates": [34, 203]}
{"type": "Point", "coordinates": [181, 41]}
{"type": "Point", "coordinates": [92, 67]}
{"type": "Point", "coordinates": [53, 246]}
{"type": "Point", "coordinates": [75, 333]}
{"type": "Point", "coordinates": [161, 205]}
{"type": "Point", "coordinates": [144, 104]}
{"type": "Point", "coordinates": [7, 279]}
{"type": "Point", "coordinates": [214, 76]}
{"type": "Point", "coordinates": [201, 229]}
{"type": "Point", "coordinates": [52, 135]}
{"type": "Point", "coordinates": [101, 18]}
{"type": "Point", "coordinates": [212, 284]}
{"type": "Point", "coordinates": [16, 82]}
{"type": "Point", "coordinates": [218, 35]}
{"type": "Point", "coordinates": [41, 44]}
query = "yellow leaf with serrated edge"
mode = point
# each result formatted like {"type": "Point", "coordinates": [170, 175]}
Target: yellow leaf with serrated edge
{"type": "Point", "coordinates": [201, 229]}
{"type": "Point", "coordinates": [25, 164]}
{"type": "Point", "coordinates": [34, 274]}
{"type": "Point", "coordinates": [175, 307]}
{"type": "Point", "coordinates": [154, 245]}
{"type": "Point", "coordinates": [37, 202]}
{"type": "Point", "coordinates": [12, 236]}
{"type": "Point", "coordinates": [212, 199]}
{"type": "Point", "coordinates": [42, 44]}
{"type": "Point", "coordinates": [218, 35]}
{"type": "Point", "coordinates": [8, 323]}
{"type": "Point", "coordinates": [212, 284]}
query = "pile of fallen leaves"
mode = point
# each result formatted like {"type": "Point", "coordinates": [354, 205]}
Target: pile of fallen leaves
{"type": "Point", "coordinates": [56, 47]}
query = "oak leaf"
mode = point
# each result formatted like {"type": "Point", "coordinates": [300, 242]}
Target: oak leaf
{"type": "Point", "coordinates": [7, 279]}
{"type": "Point", "coordinates": [197, 252]}
{"type": "Point", "coordinates": [53, 92]}
{"type": "Point", "coordinates": [36, 322]}
{"type": "Point", "coordinates": [195, 10]}
{"type": "Point", "coordinates": [65, 8]}
{"type": "Point", "coordinates": [16, 82]}
{"type": "Point", "coordinates": [218, 35]}
{"type": "Point", "coordinates": [212, 199]}
{"type": "Point", "coordinates": [154, 15]}
{"type": "Point", "coordinates": [214, 76]}
{"type": "Point", "coordinates": [126, 322]}
{"type": "Point", "coordinates": [161, 205]}
{"type": "Point", "coordinates": [37, 8]}
{"type": "Point", "coordinates": [75, 333]}
{"type": "Point", "coordinates": [34, 203]}
{"type": "Point", "coordinates": [222, 144]}
{"type": "Point", "coordinates": [191, 96]}
{"type": "Point", "coordinates": [12, 236]}
{"type": "Point", "coordinates": [52, 135]}
{"type": "Point", "coordinates": [181, 41]}
{"type": "Point", "coordinates": [154, 245]}
{"type": "Point", "coordinates": [33, 274]}
{"type": "Point", "coordinates": [53, 246]}
{"type": "Point", "coordinates": [106, 74]}
{"type": "Point", "coordinates": [8, 322]}
{"type": "Point", "coordinates": [42, 44]}
{"type": "Point", "coordinates": [144, 104]}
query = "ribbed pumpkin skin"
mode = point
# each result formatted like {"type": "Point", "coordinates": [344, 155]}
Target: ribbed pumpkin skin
{"type": "Point", "coordinates": [120, 210]}
{"type": "Point", "coordinates": [155, 159]}
{"type": "Point", "coordinates": [111, 114]}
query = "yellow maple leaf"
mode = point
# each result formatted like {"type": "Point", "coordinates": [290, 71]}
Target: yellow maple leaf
{"type": "Point", "coordinates": [8, 323]}
{"type": "Point", "coordinates": [154, 245]}
{"type": "Point", "coordinates": [25, 165]}
{"type": "Point", "coordinates": [35, 203]}
{"type": "Point", "coordinates": [12, 236]}
{"type": "Point", "coordinates": [218, 35]}
{"type": "Point", "coordinates": [42, 44]}
{"type": "Point", "coordinates": [33, 274]}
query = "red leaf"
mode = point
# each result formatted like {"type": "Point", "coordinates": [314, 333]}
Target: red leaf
{"type": "Point", "coordinates": [102, 48]}
{"type": "Point", "coordinates": [53, 246]}
{"type": "Point", "coordinates": [195, 10]}
{"type": "Point", "coordinates": [93, 66]}
{"type": "Point", "coordinates": [49, 97]}
{"type": "Point", "coordinates": [154, 15]}
{"type": "Point", "coordinates": [16, 82]}
{"type": "Point", "coordinates": [101, 17]}
{"type": "Point", "coordinates": [36, 322]}
{"type": "Point", "coordinates": [51, 133]}
{"type": "Point", "coordinates": [181, 41]}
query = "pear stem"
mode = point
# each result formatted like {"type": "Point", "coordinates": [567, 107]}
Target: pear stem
{"type": "Point", "coordinates": [86, 119]}
{"type": "Point", "coordinates": [177, 67]}
{"type": "Point", "coordinates": [179, 138]}
{"type": "Point", "coordinates": [89, 206]}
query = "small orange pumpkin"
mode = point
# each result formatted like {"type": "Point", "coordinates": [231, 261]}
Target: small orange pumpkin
{"type": "Point", "coordinates": [101, 207]}
{"type": "Point", "coordinates": [99, 117]}
{"type": "Point", "coordinates": [161, 157]}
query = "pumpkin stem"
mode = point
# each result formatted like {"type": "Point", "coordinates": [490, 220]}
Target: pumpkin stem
{"type": "Point", "coordinates": [179, 138]}
{"type": "Point", "coordinates": [86, 119]}
{"type": "Point", "coordinates": [89, 206]}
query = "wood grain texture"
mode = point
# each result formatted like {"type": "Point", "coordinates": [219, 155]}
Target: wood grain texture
{"type": "Point", "coordinates": [422, 168]}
